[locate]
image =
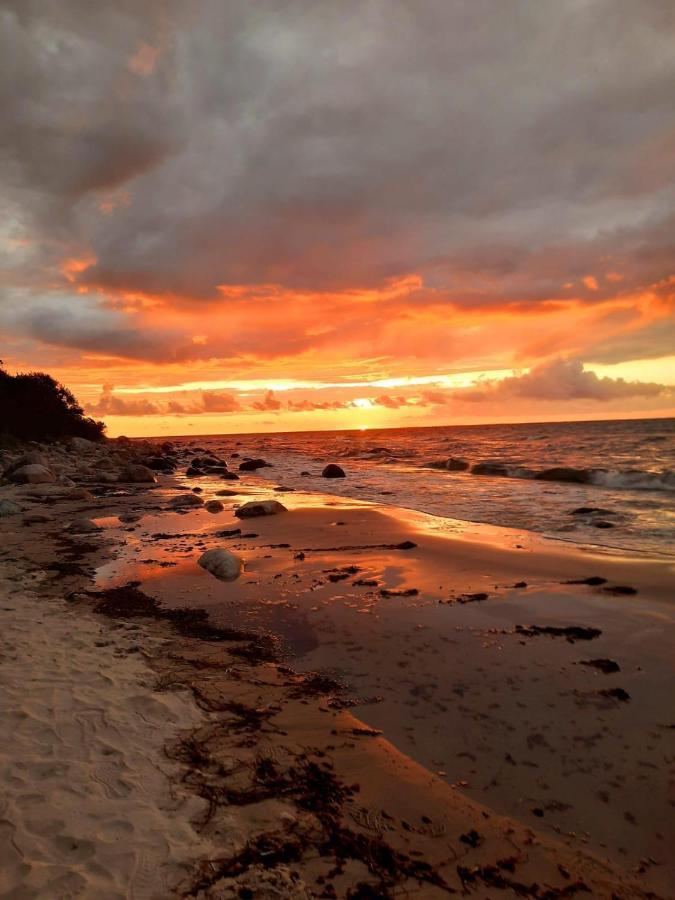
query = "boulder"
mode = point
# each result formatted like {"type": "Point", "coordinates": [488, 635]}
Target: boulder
{"type": "Point", "coordinates": [489, 468]}
{"type": "Point", "coordinates": [256, 508]}
{"type": "Point", "coordinates": [562, 473]}
{"type": "Point", "coordinates": [183, 500]}
{"type": "Point", "coordinates": [214, 506]}
{"type": "Point", "coordinates": [83, 445]}
{"type": "Point", "coordinates": [160, 463]}
{"type": "Point", "coordinates": [8, 508]}
{"type": "Point", "coordinates": [84, 526]}
{"type": "Point", "coordinates": [34, 473]}
{"type": "Point", "coordinates": [208, 462]}
{"type": "Point", "coordinates": [229, 476]}
{"type": "Point", "coordinates": [193, 472]}
{"type": "Point", "coordinates": [36, 518]}
{"type": "Point", "coordinates": [108, 477]}
{"type": "Point", "coordinates": [128, 518]}
{"type": "Point", "coordinates": [333, 471]}
{"type": "Point", "coordinates": [137, 474]}
{"type": "Point", "coordinates": [250, 465]}
{"type": "Point", "coordinates": [221, 564]}
{"type": "Point", "coordinates": [451, 465]}
{"type": "Point", "coordinates": [79, 493]}
{"type": "Point", "coordinates": [32, 458]}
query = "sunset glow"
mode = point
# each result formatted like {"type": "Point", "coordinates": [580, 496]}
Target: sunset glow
{"type": "Point", "coordinates": [192, 251]}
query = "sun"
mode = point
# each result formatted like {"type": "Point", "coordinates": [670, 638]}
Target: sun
{"type": "Point", "coordinates": [363, 428]}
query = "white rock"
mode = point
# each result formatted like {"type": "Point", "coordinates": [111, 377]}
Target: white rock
{"type": "Point", "coordinates": [222, 564]}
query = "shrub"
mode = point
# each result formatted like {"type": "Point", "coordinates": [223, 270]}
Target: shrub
{"type": "Point", "coordinates": [33, 406]}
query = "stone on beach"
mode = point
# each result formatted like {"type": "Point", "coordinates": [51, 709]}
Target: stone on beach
{"type": "Point", "coordinates": [182, 500]}
{"type": "Point", "coordinates": [32, 458]}
{"type": "Point", "coordinates": [33, 473]}
{"type": "Point", "coordinates": [9, 508]}
{"type": "Point", "coordinates": [250, 465]}
{"type": "Point", "coordinates": [84, 526]}
{"type": "Point", "coordinates": [214, 506]}
{"type": "Point", "coordinates": [221, 564]}
{"type": "Point", "coordinates": [255, 508]}
{"type": "Point", "coordinates": [452, 464]}
{"type": "Point", "coordinates": [36, 518]}
{"type": "Point", "coordinates": [137, 474]}
{"type": "Point", "coordinates": [79, 493]}
{"type": "Point", "coordinates": [333, 471]}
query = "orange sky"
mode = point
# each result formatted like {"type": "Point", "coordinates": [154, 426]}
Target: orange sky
{"type": "Point", "coordinates": [221, 220]}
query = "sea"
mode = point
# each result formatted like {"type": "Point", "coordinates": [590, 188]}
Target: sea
{"type": "Point", "coordinates": [605, 484]}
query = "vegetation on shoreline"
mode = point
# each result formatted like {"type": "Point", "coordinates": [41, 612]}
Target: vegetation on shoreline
{"type": "Point", "coordinates": [35, 407]}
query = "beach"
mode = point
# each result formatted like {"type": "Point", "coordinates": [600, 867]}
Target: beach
{"type": "Point", "coordinates": [384, 702]}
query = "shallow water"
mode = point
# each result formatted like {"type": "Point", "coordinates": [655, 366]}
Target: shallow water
{"type": "Point", "coordinates": [628, 468]}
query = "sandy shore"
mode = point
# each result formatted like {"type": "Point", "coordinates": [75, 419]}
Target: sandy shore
{"type": "Point", "coordinates": [506, 765]}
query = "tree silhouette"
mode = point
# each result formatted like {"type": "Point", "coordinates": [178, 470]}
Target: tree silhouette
{"type": "Point", "coordinates": [33, 406]}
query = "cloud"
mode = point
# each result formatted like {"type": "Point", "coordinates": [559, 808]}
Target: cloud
{"type": "Point", "coordinates": [299, 183]}
{"type": "Point", "coordinates": [268, 403]}
{"type": "Point", "coordinates": [563, 379]}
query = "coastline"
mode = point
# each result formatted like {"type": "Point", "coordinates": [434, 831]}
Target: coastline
{"type": "Point", "coordinates": [278, 756]}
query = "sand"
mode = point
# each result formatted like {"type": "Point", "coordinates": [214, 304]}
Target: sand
{"type": "Point", "coordinates": [281, 784]}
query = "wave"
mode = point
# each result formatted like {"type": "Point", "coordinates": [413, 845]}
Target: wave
{"type": "Point", "coordinates": [615, 479]}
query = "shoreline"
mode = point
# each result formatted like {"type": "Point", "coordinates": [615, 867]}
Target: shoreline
{"type": "Point", "coordinates": [275, 726]}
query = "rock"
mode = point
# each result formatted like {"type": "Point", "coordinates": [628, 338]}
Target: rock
{"type": "Point", "coordinates": [183, 500]}
{"type": "Point", "coordinates": [227, 493]}
{"type": "Point", "coordinates": [208, 462]}
{"type": "Point", "coordinates": [36, 518]}
{"type": "Point", "coordinates": [333, 471]}
{"type": "Point", "coordinates": [305, 474]}
{"type": "Point", "coordinates": [32, 458]}
{"type": "Point", "coordinates": [82, 444]}
{"type": "Point", "coordinates": [561, 473]}
{"type": "Point", "coordinates": [214, 506]}
{"type": "Point", "coordinates": [250, 465]}
{"type": "Point", "coordinates": [79, 493]}
{"type": "Point", "coordinates": [137, 474]}
{"type": "Point", "coordinates": [193, 472]}
{"type": "Point", "coordinates": [489, 468]}
{"type": "Point", "coordinates": [8, 508]}
{"type": "Point", "coordinates": [222, 564]}
{"type": "Point", "coordinates": [602, 523]}
{"type": "Point", "coordinates": [256, 508]}
{"type": "Point", "coordinates": [34, 473]}
{"type": "Point", "coordinates": [128, 518]}
{"type": "Point", "coordinates": [108, 477]}
{"type": "Point", "coordinates": [229, 476]}
{"type": "Point", "coordinates": [160, 463]}
{"type": "Point", "coordinates": [452, 464]}
{"type": "Point", "coordinates": [590, 510]}
{"type": "Point", "coordinates": [84, 526]}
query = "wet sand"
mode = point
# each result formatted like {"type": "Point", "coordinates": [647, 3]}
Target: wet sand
{"type": "Point", "coordinates": [498, 745]}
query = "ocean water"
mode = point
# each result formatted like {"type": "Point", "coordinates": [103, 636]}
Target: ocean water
{"type": "Point", "coordinates": [624, 470]}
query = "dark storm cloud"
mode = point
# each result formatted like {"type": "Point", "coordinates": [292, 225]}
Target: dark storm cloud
{"type": "Point", "coordinates": [502, 150]}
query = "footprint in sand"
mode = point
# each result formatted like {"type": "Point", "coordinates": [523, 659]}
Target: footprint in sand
{"type": "Point", "coordinates": [73, 849]}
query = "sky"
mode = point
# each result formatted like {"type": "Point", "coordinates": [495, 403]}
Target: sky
{"type": "Point", "coordinates": [257, 215]}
